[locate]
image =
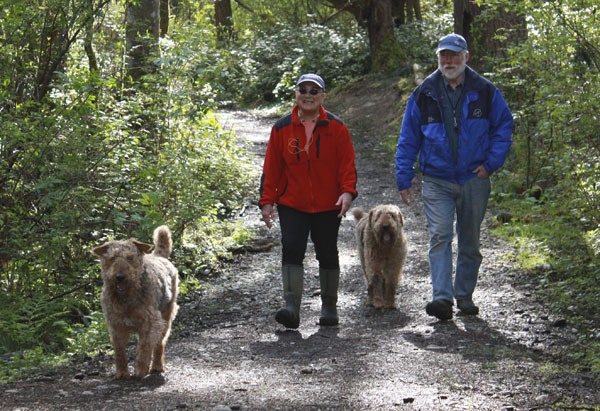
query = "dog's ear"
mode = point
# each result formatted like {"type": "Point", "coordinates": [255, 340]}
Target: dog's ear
{"type": "Point", "coordinates": [143, 247]}
{"type": "Point", "coordinates": [400, 217]}
{"type": "Point", "coordinates": [398, 214]}
{"type": "Point", "coordinates": [371, 216]}
{"type": "Point", "coordinates": [100, 250]}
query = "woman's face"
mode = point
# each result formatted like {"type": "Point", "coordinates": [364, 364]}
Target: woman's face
{"type": "Point", "coordinates": [309, 97]}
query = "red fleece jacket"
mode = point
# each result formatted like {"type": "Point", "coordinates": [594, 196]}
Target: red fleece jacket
{"type": "Point", "coordinates": [309, 182]}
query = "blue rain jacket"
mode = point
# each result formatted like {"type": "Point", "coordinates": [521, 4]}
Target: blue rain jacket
{"type": "Point", "coordinates": [485, 133]}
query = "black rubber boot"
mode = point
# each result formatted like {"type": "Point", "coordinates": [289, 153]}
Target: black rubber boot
{"type": "Point", "coordinates": [293, 283]}
{"type": "Point", "coordinates": [329, 279]}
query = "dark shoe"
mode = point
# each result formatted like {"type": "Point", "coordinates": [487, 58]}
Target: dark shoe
{"type": "Point", "coordinates": [442, 309]}
{"type": "Point", "coordinates": [287, 318]}
{"type": "Point", "coordinates": [467, 307]}
{"type": "Point", "coordinates": [329, 316]}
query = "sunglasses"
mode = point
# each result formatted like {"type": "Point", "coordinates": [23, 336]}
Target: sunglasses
{"type": "Point", "coordinates": [312, 91]}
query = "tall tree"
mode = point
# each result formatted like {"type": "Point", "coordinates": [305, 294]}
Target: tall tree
{"type": "Point", "coordinates": [406, 11]}
{"type": "Point", "coordinates": [464, 14]}
{"type": "Point", "coordinates": [376, 17]}
{"type": "Point", "coordinates": [35, 43]}
{"type": "Point", "coordinates": [165, 17]}
{"type": "Point", "coordinates": [89, 39]}
{"type": "Point", "coordinates": [142, 34]}
{"type": "Point", "coordinates": [488, 29]}
{"type": "Point", "coordinates": [223, 20]}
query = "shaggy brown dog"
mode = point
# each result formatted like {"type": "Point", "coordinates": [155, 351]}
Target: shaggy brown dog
{"type": "Point", "coordinates": [139, 296]}
{"type": "Point", "coordinates": [382, 250]}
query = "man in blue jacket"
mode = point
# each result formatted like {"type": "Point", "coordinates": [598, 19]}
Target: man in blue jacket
{"type": "Point", "coordinates": [460, 127]}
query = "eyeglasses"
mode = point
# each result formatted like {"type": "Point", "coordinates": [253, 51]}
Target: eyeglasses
{"type": "Point", "coordinates": [312, 91]}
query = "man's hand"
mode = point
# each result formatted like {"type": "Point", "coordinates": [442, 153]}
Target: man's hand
{"type": "Point", "coordinates": [345, 201]}
{"type": "Point", "coordinates": [407, 195]}
{"type": "Point", "coordinates": [268, 214]}
{"type": "Point", "coordinates": [481, 172]}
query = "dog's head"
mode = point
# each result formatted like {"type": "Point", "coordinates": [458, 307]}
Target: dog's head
{"type": "Point", "coordinates": [122, 264]}
{"type": "Point", "coordinates": [387, 222]}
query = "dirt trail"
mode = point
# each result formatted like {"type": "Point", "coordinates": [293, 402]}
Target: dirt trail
{"type": "Point", "coordinates": [228, 353]}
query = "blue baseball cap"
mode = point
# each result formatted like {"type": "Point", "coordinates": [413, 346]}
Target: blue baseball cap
{"type": "Point", "coordinates": [313, 78]}
{"type": "Point", "coordinates": [454, 42]}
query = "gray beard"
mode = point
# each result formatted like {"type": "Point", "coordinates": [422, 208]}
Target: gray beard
{"type": "Point", "coordinates": [457, 73]}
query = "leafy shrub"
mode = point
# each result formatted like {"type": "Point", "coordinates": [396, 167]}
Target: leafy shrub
{"type": "Point", "coordinates": [265, 69]}
{"type": "Point", "coordinates": [93, 162]}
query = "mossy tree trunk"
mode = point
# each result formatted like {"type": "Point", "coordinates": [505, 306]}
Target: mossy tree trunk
{"type": "Point", "coordinates": [142, 34]}
{"type": "Point", "coordinates": [376, 17]}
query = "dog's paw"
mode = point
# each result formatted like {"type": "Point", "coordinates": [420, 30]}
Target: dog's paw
{"type": "Point", "coordinates": [139, 375]}
{"type": "Point", "coordinates": [378, 305]}
{"type": "Point", "coordinates": [141, 372]}
{"type": "Point", "coordinates": [122, 375]}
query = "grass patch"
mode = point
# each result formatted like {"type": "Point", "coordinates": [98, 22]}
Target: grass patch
{"type": "Point", "coordinates": [562, 257]}
{"type": "Point", "coordinates": [87, 338]}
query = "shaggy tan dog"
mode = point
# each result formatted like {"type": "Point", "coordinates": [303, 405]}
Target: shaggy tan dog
{"type": "Point", "coordinates": [139, 296]}
{"type": "Point", "coordinates": [382, 250]}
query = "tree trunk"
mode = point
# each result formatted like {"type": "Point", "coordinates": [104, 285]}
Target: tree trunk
{"type": "Point", "coordinates": [406, 11]}
{"type": "Point", "coordinates": [165, 15]}
{"type": "Point", "coordinates": [223, 20]}
{"type": "Point", "coordinates": [142, 33]}
{"type": "Point", "coordinates": [501, 29]}
{"type": "Point", "coordinates": [465, 12]}
{"type": "Point", "coordinates": [382, 41]}
{"type": "Point", "coordinates": [480, 25]}
{"type": "Point", "coordinates": [53, 47]}
{"type": "Point", "coordinates": [413, 10]}
{"type": "Point", "coordinates": [88, 40]}
{"type": "Point", "coordinates": [376, 17]}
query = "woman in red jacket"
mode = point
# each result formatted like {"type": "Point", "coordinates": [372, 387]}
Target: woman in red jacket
{"type": "Point", "coordinates": [309, 172]}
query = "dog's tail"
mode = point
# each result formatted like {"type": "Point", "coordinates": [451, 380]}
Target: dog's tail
{"type": "Point", "coordinates": [163, 244]}
{"type": "Point", "coordinates": [358, 213]}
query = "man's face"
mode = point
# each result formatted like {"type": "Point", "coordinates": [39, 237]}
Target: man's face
{"type": "Point", "coordinates": [312, 98]}
{"type": "Point", "coordinates": [452, 64]}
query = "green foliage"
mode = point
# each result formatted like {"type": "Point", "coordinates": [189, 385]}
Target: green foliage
{"type": "Point", "coordinates": [268, 13]}
{"type": "Point", "coordinates": [265, 69]}
{"type": "Point", "coordinates": [552, 96]}
{"type": "Point", "coordinates": [27, 363]}
{"type": "Point", "coordinates": [564, 261]}
{"type": "Point", "coordinates": [88, 337]}
{"type": "Point", "coordinates": [92, 161]}
{"type": "Point", "coordinates": [419, 39]}
{"type": "Point", "coordinates": [205, 247]}
{"type": "Point", "coordinates": [550, 81]}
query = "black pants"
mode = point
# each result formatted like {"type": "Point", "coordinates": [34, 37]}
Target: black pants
{"type": "Point", "coordinates": [323, 228]}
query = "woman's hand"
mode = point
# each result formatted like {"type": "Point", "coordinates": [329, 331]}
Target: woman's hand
{"type": "Point", "coordinates": [268, 214]}
{"type": "Point", "coordinates": [345, 201]}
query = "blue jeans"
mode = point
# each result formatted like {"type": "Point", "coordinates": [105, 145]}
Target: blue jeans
{"type": "Point", "coordinates": [443, 201]}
